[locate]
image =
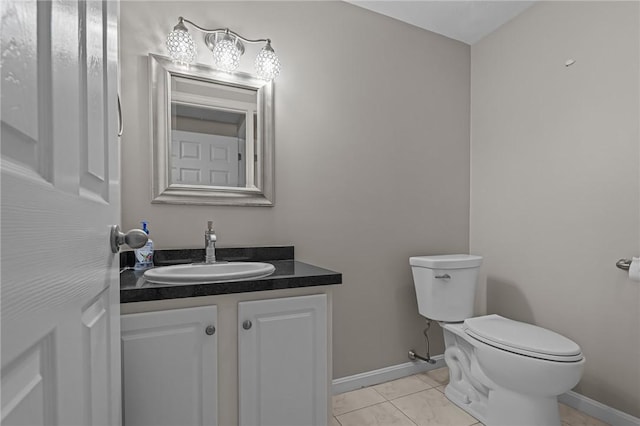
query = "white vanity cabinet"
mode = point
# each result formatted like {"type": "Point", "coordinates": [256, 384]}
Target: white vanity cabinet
{"type": "Point", "coordinates": [273, 352]}
{"type": "Point", "coordinates": [170, 368]}
{"type": "Point", "coordinates": [282, 361]}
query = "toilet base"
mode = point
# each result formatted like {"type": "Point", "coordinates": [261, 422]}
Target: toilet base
{"type": "Point", "coordinates": [459, 399]}
{"type": "Point", "coordinates": [471, 390]}
{"type": "Point", "coordinates": [467, 384]}
{"type": "Point", "coordinates": [512, 409]}
{"type": "Point", "coordinates": [509, 409]}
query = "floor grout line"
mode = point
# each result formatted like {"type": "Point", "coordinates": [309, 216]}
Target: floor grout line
{"type": "Point", "coordinates": [391, 402]}
{"type": "Point", "coordinates": [376, 391]}
{"type": "Point", "coordinates": [351, 411]}
{"type": "Point", "coordinates": [369, 406]}
{"type": "Point", "coordinates": [409, 394]}
{"type": "Point", "coordinates": [404, 414]}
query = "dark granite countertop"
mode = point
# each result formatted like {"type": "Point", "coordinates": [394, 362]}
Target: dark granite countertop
{"type": "Point", "coordinates": [289, 273]}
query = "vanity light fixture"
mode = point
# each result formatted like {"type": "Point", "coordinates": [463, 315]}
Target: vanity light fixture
{"type": "Point", "coordinates": [227, 48]}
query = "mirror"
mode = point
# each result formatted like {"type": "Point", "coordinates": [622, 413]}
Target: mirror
{"type": "Point", "coordinates": [212, 136]}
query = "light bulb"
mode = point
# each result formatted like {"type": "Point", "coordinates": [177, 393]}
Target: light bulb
{"type": "Point", "coordinates": [267, 63]}
{"type": "Point", "coordinates": [180, 45]}
{"type": "Point", "coordinates": [226, 54]}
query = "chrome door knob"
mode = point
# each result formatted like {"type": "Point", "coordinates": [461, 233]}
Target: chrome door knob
{"type": "Point", "coordinates": [135, 238]}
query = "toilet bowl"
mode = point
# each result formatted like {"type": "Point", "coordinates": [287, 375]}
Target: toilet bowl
{"type": "Point", "coordinates": [501, 371]}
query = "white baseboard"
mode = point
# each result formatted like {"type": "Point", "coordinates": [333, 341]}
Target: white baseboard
{"type": "Point", "coordinates": [370, 378]}
{"type": "Point", "coordinates": [598, 410]}
{"type": "Point", "coordinates": [572, 399]}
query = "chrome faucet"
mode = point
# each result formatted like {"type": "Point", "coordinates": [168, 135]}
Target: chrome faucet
{"type": "Point", "coordinates": [210, 244]}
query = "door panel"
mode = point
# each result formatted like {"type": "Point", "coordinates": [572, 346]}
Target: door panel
{"type": "Point", "coordinates": [21, 90]}
{"type": "Point", "coordinates": [97, 368]}
{"type": "Point", "coordinates": [94, 146]}
{"type": "Point", "coordinates": [27, 387]}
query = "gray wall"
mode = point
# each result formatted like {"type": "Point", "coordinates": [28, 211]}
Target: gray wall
{"type": "Point", "coordinates": [555, 181]}
{"type": "Point", "coordinates": [372, 156]}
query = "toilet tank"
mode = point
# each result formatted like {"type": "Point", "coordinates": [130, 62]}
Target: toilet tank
{"type": "Point", "coordinates": [445, 285]}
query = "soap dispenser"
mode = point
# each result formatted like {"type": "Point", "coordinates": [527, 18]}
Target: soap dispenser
{"type": "Point", "coordinates": [144, 255]}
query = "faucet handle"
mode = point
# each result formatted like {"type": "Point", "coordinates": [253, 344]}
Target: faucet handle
{"type": "Point", "coordinates": [210, 225]}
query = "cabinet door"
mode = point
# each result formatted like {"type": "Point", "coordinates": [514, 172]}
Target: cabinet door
{"type": "Point", "coordinates": [282, 351]}
{"type": "Point", "coordinates": [169, 367]}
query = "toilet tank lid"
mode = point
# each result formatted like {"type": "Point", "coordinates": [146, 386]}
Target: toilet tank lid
{"type": "Point", "coordinates": [446, 261]}
{"type": "Point", "coordinates": [519, 337]}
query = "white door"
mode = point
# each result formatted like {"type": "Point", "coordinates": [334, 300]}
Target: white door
{"type": "Point", "coordinates": [60, 194]}
{"type": "Point", "coordinates": [169, 367]}
{"type": "Point", "coordinates": [282, 361]}
{"type": "Point", "coordinates": [204, 159]}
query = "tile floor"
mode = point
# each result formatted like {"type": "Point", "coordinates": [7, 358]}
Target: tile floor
{"type": "Point", "coordinates": [418, 401]}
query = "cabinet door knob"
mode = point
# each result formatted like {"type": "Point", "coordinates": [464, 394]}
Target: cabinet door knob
{"type": "Point", "coordinates": [246, 325]}
{"type": "Point", "coordinates": [210, 330]}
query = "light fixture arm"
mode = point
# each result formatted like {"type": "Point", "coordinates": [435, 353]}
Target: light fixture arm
{"type": "Point", "coordinates": [223, 30]}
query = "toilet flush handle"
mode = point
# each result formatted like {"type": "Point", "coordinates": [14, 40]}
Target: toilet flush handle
{"type": "Point", "coordinates": [444, 276]}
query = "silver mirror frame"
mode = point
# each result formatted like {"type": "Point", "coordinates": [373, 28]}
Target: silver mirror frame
{"type": "Point", "coordinates": [161, 69]}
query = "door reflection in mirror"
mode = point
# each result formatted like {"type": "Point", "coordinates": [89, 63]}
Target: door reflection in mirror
{"type": "Point", "coordinates": [207, 146]}
{"type": "Point", "coordinates": [210, 124]}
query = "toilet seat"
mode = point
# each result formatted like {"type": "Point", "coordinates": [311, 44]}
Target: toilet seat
{"type": "Point", "coordinates": [521, 338]}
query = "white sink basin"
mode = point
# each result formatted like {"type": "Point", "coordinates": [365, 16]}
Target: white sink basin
{"type": "Point", "coordinates": [202, 273]}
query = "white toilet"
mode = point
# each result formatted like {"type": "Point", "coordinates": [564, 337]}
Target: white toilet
{"type": "Point", "coordinates": [502, 372]}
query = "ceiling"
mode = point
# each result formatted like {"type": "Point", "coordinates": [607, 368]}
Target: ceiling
{"type": "Point", "coordinates": [466, 21]}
